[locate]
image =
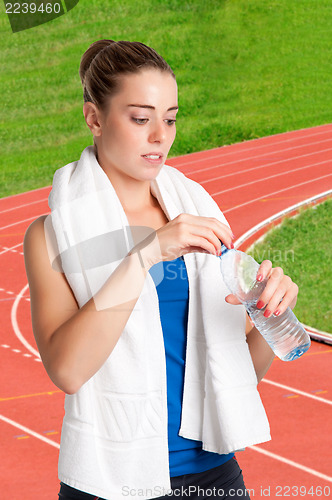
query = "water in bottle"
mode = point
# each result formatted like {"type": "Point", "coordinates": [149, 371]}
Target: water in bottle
{"type": "Point", "coordinates": [284, 334]}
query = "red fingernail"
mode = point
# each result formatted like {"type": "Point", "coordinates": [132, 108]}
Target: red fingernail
{"type": "Point", "coordinates": [277, 312]}
{"type": "Point", "coordinates": [267, 313]}
{"type": "Point", "coordinates": [260, 304]}
{"type": "Point", "coordinates": [259, 277]}
{"type": "Point", "coordinates": [232, 246]}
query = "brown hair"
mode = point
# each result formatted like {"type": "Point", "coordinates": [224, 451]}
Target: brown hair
{"type": "Point", "coordinates": [106, 60]}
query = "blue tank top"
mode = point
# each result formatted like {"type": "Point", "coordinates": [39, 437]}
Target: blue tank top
{"type": "Point", "coordinates": [186, 456]}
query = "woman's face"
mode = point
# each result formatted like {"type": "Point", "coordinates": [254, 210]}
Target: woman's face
{"type": "Point", "coordinates": [140, 122]}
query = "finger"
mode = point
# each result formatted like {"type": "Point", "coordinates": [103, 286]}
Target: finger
{"type": "Point", "coordinates": [272, 284]}
{"type": "Point", "coordinates": [208, 232]}
{"type": "Point", "coordinates": [211, 228]}
{"type": "Point", "coordinates": [232, 299]}
{"type": "Point", "coordinates": [276, 287]}
{"type": "Point", "coordinates": [196, 235]}
{"type": "Point", "coordinates": [202, 243]}
{"type": "Point", "coordinates": [264, 270]}
{"type": "Point", "coordinates": [288, 300]}
{"type": "Point", "coordinates": [278, 297]}
{"type": "Point", "coordinates": [223, 233]}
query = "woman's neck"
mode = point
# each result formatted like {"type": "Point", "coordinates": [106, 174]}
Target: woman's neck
{"type": "Point", "coordinates": [135, 196]}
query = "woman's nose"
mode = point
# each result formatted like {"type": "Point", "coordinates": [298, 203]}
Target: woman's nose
{"type": "Point", "coordinates": [157, 133]}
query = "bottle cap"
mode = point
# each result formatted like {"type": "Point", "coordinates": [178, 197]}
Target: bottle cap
{"type": "Point", "coordinates": [224, 249]}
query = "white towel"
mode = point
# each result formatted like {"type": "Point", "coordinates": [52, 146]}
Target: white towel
{"type": "Point", "coordinates": [114, 433]}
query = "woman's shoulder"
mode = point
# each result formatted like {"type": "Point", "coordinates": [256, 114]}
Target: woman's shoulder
{"type": "Point", "coordinates": [37, 235]}
{"type": "Point", "coordinates": [39, 239]}
{"type": "Point", "coordinates": [34, 238]}
{"type": "Point", "coordinates": [36, 228]}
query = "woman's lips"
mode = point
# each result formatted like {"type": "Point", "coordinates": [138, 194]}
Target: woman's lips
{"type": "Point", "coordinates": [154, 161]}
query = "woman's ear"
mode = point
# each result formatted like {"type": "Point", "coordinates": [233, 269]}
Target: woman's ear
{"type": "Point", "coordinates": [92, 118]}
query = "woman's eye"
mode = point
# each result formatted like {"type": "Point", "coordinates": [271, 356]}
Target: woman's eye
{"type": "Point", "coordinates": [140, 121]}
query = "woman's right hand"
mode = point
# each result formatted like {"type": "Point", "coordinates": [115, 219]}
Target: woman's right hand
{"type": "Point", "coordinates": [186, 233]}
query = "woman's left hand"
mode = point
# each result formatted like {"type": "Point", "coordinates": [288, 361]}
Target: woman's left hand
{"type": "Point", "coordinates": [279, 293]}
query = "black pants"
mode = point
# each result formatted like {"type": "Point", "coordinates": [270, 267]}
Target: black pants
{"type": "Point", "coordinates": [224, 482]}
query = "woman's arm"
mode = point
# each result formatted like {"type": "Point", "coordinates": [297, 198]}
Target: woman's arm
{"type": "Point", "coordinates": [260, 351]}
{"type": "Point", "coordinates": [74, 343]}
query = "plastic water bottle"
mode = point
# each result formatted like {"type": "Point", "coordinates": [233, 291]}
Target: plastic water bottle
{"type": "Point", "coordinates": [284, 334]}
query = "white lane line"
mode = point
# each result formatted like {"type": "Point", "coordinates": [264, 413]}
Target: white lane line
{"type": "Point", "coordinates": [292, 463]}
{"type": "Point", "coordinates": [267, 155]}
{"type": "Point", "coordinates": [286, 160]}
{"type": "Point", "coordinates": [18, 351]}
{"type": "Point", "coordinates": [24, 205]}
{"type": "Point", "coordinates": [223, 149]}
{"type": "Point", "coordinates": [29, 431]}
{"type": "Point", "coordinates": [266, 196]}
{"type": "Point", "coordinates": [267, 221]}
{"type": "Point", "coordinates": [27, 192]}
{"type": "Point", "coordinates": [10, 292]}
{"type": "Point", "coordinates": [297, 391]}
{"type": "Point", "coordinates": [262, 179]}
{"type": "Point", "coordinates": [12, 249]}
{"type": "Point", "coordinates": [319, 335]}
{"type": "Point", "coordinates": [20, 221]}
{"type": "Point", "coordinates": [16, 329]}
{"type": "Point", "coordinates": [11, 298]}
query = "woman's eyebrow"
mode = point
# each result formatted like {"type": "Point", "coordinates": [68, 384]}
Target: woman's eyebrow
{"type": "Point", "coordinates": [150, 107]}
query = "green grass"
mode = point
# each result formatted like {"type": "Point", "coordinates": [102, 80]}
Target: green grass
{"type": "Point", "coordinates": [245, 69]}
{"type": "Point", "coordinates": [302, 247]}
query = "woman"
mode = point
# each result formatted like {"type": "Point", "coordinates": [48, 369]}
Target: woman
{"type": "Point", "coordinates": [131, 238]}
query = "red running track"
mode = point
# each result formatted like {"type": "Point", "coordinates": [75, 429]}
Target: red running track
{"type": "Point", "coordinates": [250, 181]}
